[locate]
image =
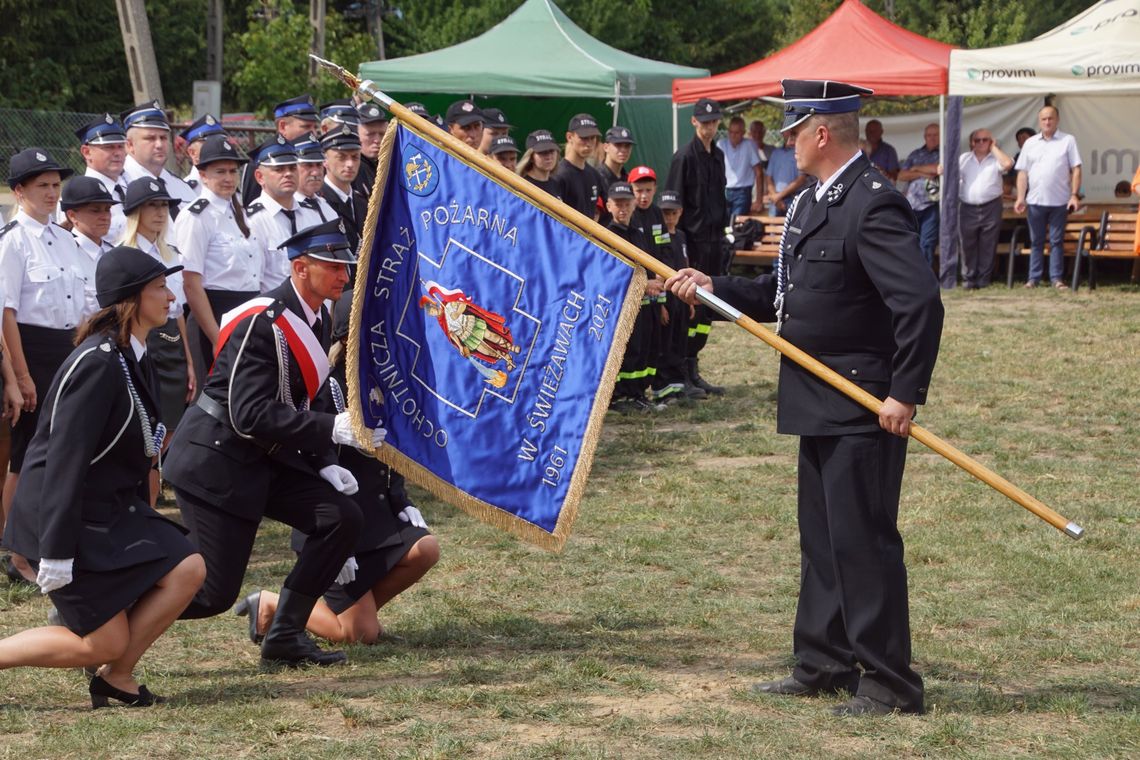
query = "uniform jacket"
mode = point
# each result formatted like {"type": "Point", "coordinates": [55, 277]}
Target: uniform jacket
{"type": "Point", "coordinates": [698, 176]}
{"type": "Point", "coordinates": [860, 298]}
{"type": "Point", "coordinates": [83, 489]}
{"type": "Point", "coordinates": [366, 177]}
{"type": "Point", "coordinates": [354, 222]}
{"type": "Point", "coordinates": [209, 459]}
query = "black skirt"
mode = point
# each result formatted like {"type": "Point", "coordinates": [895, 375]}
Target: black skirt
{"type": "Point", "coordinates": [93, 598]}
{"type": "Point", "coordinates": [45, 350]}
{"type": "Point", "coordinates": [201, 347]}
{"type": "Point", "coordinates": [373, 566]}
{"type": "Point", "coordinates": [168, 356]}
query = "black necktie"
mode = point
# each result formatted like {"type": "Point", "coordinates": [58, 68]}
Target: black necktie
{"type": "Point", "coordinates": [119, 193]}
{"type": "Point", "coordinates": [292, 214]}
{"type": "Point", "coordinates": [317, 327]}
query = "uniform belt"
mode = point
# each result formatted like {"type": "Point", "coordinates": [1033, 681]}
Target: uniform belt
{"type": "Point", "coordinates": [218, 412]}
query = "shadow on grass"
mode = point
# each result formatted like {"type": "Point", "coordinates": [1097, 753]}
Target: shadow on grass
{"type": "Point", "coordinates": [1067, 698]}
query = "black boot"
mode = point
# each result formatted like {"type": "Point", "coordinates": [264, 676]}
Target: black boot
{"type": "Point", "coordinates": [696, 379]}
{"type": "Point", "coordinates": [286, 642]}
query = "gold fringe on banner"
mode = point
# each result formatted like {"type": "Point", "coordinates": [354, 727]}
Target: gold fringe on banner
{"type": "Point", "coordinates": [420, 475]}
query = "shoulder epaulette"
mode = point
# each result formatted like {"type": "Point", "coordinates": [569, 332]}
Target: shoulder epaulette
{"type": "Point", "coordinates": [5, 229]}
{"type": "Point", "coordinates": [198, 206]}
{"type": "Point", "coordinates": [309, 203]}
{"type": "Point", "coordinates": [253, 208]}
{"type": "Point", "coordinates": [193, 183]}
{"type": "Point", "coordinates": [876, 181]}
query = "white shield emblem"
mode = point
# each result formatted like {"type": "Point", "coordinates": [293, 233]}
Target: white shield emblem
{"type": "Point", "coordinates": [41, 157]}
{"type": "Point", "coordinates": [154, 187]}
{"type": "Point", "coordinates": [876, 185]}
{"type": "Point", "coordinates": [708, 108]}
{"type": "Point", "coordinates": [210, 120]}
{"type": "Point", "coordinates": [227, 146]}
{"type": "Point", "coordinates": [468, 107]}
{"type": "Point", "coordinates": [107, 118]}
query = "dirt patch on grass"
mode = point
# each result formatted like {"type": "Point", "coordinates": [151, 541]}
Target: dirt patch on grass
{"type": "Point", "coordinates": [741, 463]}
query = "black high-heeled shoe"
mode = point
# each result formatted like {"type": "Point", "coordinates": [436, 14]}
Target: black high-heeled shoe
{"type": "Point", "coordinates": [101, 691]}
{"type": "Point", "coordinates": [15, 577]}
{"type": "Point", "coordinates": [251, 606]}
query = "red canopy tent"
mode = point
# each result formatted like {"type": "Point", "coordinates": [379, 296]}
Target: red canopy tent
{"type": "Point", "coordinates": [854, 45]}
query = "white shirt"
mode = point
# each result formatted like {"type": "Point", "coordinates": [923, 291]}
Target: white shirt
{"type": "Point", "coordinates": [270, 226]}
{"type": "Point", "coordinates": [43, 274]}
{"type": "Point", "coordinates": [739, 162]}
{"type": "Point", "coordinates": [978, 181]}
{"type": "Point", "coordinates": [173, 281]}
{"type": "Point", "coordinates": [175, 187]}
{"type": "Point", "coordinates": [193, 180]}
{"type": "Point", "coordinates": [310, 315]}
{"type": "Point", "coordinates": [339, 193]}
{"type": "Point", "coordinates": [819, 191]}
{"type": "Point", "coordinates": [1049, 164]}
{"type": "Point", "coordinates": [138, 347]}
{"type": "Point", "coordinates": [118, 218]}
{"type": "Point", "coordinates": [93, 250]}
{"type": "Point", "coordinates": [212, 244]}
{"type": "Point", "coordinates": [326, 212]}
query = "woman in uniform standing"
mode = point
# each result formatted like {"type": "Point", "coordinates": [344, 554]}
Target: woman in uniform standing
{"type": "Point", "coordinates": [117, 572]}
{"type": "Point", "coordinates": [540, 161]}
{"type": "Point", "coordinates": [223, 266]}
{"type": "Point", "coordinates": [147, 209]}
{"type": "Point", "coordinates": [43, 274]}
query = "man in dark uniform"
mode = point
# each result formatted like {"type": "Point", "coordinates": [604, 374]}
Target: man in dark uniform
{"type": "Point", "coordinates": [697, 175]}
{"type": "Point", "coordinates": [853, 290]}
{"type": "Point", "coordinates": [342, 164]}
{"type": "Point", "coordinates": [373, 125]}
{"type": "Point", "coordinates": [293, 118]}
{"type": "Point", "coordinates": [581, 183]}
{"type": "Point", "coordinates": [252, 447]}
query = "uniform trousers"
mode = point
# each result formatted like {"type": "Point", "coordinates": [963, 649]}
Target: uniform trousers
{"type": "Point", "coordinates": [853, 608]}
{"type": "Point", "coordinates": [707, 257]}
{"type": "Point", "coordinates": [303, 501]}
{"type": "Point", "coordinates": [979, 225]}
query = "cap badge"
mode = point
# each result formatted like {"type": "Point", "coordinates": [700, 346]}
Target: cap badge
{"type": "Point", "coordinates": [105, 347]}
{"type": "Point", "coordinates": [876, 185]}
{"type": "Point", "coordinates": [154, 187]}
{"type": "Point", "coordinates": [468, 107]}
{"type": "Point", "coordinates": [107, 118]}
{"type": "Point", "coordinates": [625, 133]}
{"type": "Point", "coordinates": [227, 146]}
{"type": "Point", "coordinates": [708, 108]}
{"type": "Point", "coordinates": [41, 157]}
{"type": "Point", "coordinates": [155, 104]}
{"type": "Point", "coordinates": [280, 140]}
{"type": "Point", "coordinates": [210, 120]}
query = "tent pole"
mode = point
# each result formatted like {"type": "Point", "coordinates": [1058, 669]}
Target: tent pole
{"type": "Point", "coordinates": [942, 161]}
{"type": "Point", "coordinates": [617, 100]}
{"type": "Point", "coordinates": [674, 126]}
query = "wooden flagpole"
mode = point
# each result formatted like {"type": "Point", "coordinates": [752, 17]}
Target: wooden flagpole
{"type": "Point", "coordinates": [591, 229]}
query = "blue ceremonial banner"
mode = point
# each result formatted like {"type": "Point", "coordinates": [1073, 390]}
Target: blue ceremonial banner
{"type": "Point", "coordinates": [486, 336]}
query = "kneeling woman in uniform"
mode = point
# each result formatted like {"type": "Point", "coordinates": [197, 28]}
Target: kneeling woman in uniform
{"type": "Point", "coordinates": [117, 572]}
{"type": "Point", "coordinates": [393, 552]}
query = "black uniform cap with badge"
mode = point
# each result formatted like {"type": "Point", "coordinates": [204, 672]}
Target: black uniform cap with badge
{"type": "Point", "coordinates": [464, 113]}
{"type": "Point", "coordinates": [419, 109]}
{"type": "Point", "coordinates": [106, 130]}
{"type": "Point", "coordinates": [370, 113]}
{"type": "Point", "coordinates": [341, 111]}
{"type": "Point", "coordinates": [342, 138]}
{"type": "Point", "coordinates": [124, 271]}
{"type": "Point", "coordinates": [81, 191]}
{"type": "Point", "coordinates": [541, 141]}
{"type": "Point", "coordinates": [619, 136]}
{"type": "Point", "coordinates": [31, 163]}
{"type": "Point", "coordinates": [670, 200]}
{"type": "Point", "coordinates": [276, 151]}
{"type": "Point", "coordinates": [308, 148]}
{"type": "Point", "coordinates": [620, 191]}
{"type": "Point", "coordinates": [147, 115]}
{"type": "Point", "coordinates": [494, 117]}
{"type": "Point", "coordinates": [300, 107]}
{"type": "Point", "coordinates": [219, 148]}
{"type": "Point", "coordinates": [584, 125]}
{"type": "Point", "coordinates": [804, 98]}
{"type": "Point", "coordinates": [201, 129]}
{"type": "Point", "coordinates": [503, 144]}
{"type": "Point", "coordinates": [145, 190]}
{"type": "Point", "coordinates": [707, 109]}
{"type": "Point", "coordinates": [324, 242]}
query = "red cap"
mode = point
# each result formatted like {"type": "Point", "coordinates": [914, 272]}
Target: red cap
{"type": "Point", "coordinates": [639, 173]}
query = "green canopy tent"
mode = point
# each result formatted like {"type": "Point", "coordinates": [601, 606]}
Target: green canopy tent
{"type": "Point", "coordinates": [541, 69]}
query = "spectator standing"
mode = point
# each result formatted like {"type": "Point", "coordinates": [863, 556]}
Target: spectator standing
{"type": "Point", "coordinates": [979, 219]}
{"type": "Point", "coordinates": [783, 179]}
{"type": "Point", "coordinates": [742, 171]}
{"type": "Point", "coordinates": [922, 171]}
{"type": "Point", "coordinates": [697, 174]}
{"type": "Point", "coordinates": [1048, 188]}
{"type": "Point", "coordinates": [756, 133]}
{"type": "Point", "coordinates": [882, 155]}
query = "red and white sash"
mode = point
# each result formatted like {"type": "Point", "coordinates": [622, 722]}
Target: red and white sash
{"type": "Point", "coordinates": [303, 343]}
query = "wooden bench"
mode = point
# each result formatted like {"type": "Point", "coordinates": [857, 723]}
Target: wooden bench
{"type": "Point", "coordinates": [765, 250]}
{"type": "Point", "coordinates": [1116, 239]}
{"type": "Point", "coordinates": [1080, 236]}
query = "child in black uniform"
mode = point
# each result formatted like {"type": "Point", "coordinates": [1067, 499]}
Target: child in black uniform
{"type": "Point", "coordinates": [675, 326]}
{"type": "Point", "coordinates": [633, 379]}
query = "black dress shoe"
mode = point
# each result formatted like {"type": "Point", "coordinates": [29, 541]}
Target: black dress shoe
{"type": "Point", "coordinates": [251, 606]}
{"type": "Point", "coordinates": [101, 691]}
{"type": "Point", "coordinates": [862, 705]}
{"type": "Point", "coordinates": [786, 687]}
{"type": "Point", "coordinates": [286, 643]}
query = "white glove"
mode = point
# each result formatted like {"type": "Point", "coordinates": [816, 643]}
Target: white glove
{"type": "Point", "coordinates": [410, 514]}
{"type": "Point", "coordinates": [344, 435]}
{"type": "Point", "coordinates": [347, 573]}
{"type": "Point", "coordinates": [54, 574]}
{"type": "Point", "coordinates": [342, 480]}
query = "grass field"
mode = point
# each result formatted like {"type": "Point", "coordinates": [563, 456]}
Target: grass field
{"type": "Point", "coordinates": [678, 589]}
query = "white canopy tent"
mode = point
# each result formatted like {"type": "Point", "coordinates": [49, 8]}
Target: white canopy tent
{"type": "Point", "coordinates": [1097, 51]}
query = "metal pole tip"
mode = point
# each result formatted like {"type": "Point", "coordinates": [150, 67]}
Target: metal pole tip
{"type": "Point", "coordinates": [1072, 530]}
